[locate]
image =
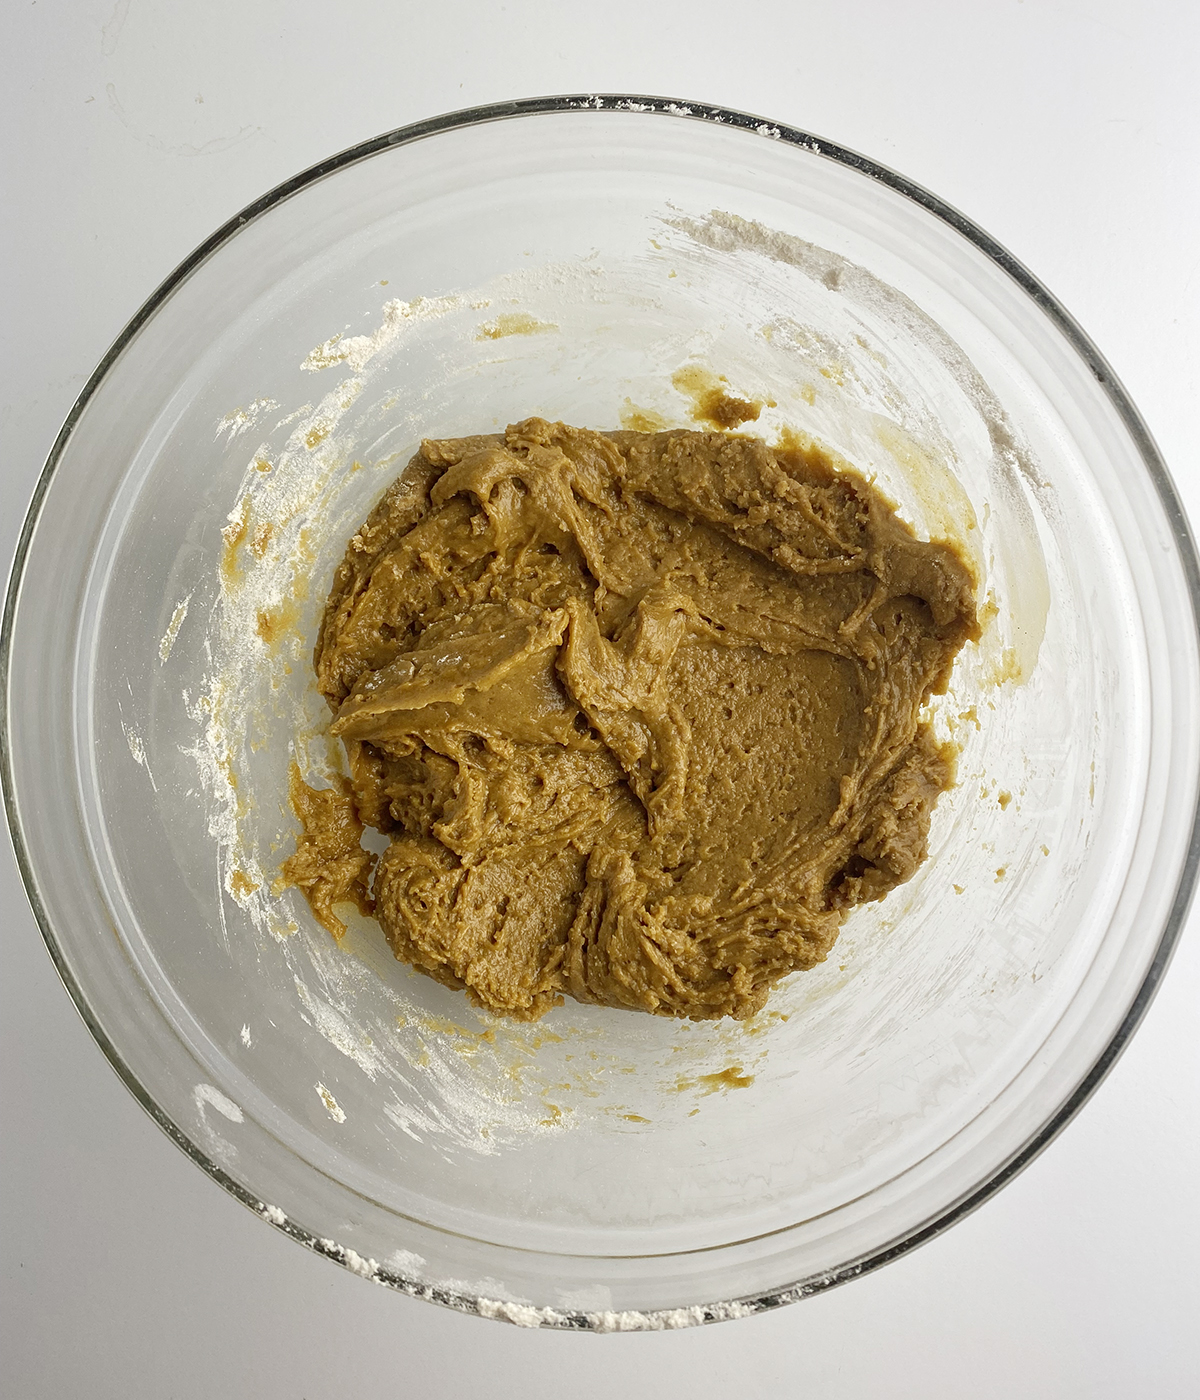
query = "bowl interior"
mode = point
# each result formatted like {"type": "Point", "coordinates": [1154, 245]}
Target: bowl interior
{"type": "Point", "coordinates": [593, 266]}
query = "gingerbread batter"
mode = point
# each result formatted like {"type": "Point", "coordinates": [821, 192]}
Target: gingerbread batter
{"type": "Point", "coordinates": [640, 714]}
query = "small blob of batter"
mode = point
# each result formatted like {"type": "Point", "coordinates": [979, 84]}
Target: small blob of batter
{"type": "Point", "coordinates": [640, 714]}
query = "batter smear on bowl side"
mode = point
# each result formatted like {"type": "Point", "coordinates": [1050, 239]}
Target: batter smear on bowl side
{"type": "Point", "coordinates": [640, 714]}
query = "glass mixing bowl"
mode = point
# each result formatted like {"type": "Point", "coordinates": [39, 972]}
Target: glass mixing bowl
{"type": "Point", "coordinates": [594, 259]}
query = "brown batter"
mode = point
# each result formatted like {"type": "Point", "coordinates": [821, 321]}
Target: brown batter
{"type": "Point", "coordinates": [639, 713]}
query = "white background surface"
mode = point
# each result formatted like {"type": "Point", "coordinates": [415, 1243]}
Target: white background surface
{"type": "Point", "coordinates": [1071, 132]}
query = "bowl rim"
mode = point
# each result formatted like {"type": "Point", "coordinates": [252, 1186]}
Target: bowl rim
{"type": "Point", "coordinates": [1080, 342]}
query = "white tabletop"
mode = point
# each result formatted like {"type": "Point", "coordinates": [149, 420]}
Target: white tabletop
{"type": "Point", "coordinates": [1070, 129]}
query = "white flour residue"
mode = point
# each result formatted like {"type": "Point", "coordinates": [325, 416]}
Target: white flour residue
{"type": "Point", "coordinates": [364, 1268]}
{"type": "Point", "coordinates": [668, 1320]}
{"type": "Point", "coordinates": [240, 420]}
{"type": "Point", "coordinates": [423, 1121]}
{"type": "Point", "coordinates": [206, 1094]}
{"type": "Point", "coordinates": [137, 751]}
{"type": "Point", "coordinates": [358, 351]}
{"type": "Point", "coordinates": [211, 755]}
{"type": "Point", "coordinates": [519, 1313]}
{"type": "Point", "coordinates": [335, 1109]}
{"type": "Point", "coordinates": [168, 637]}
{"type": "Point", "coordinates": [340, 1032]}
{"type": "Point", "coordinates": [247, 1039]}
{"type": "Point", "coordinates": [665, 1320]}
{"type": "Point", "coordinates": [136, 748]}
